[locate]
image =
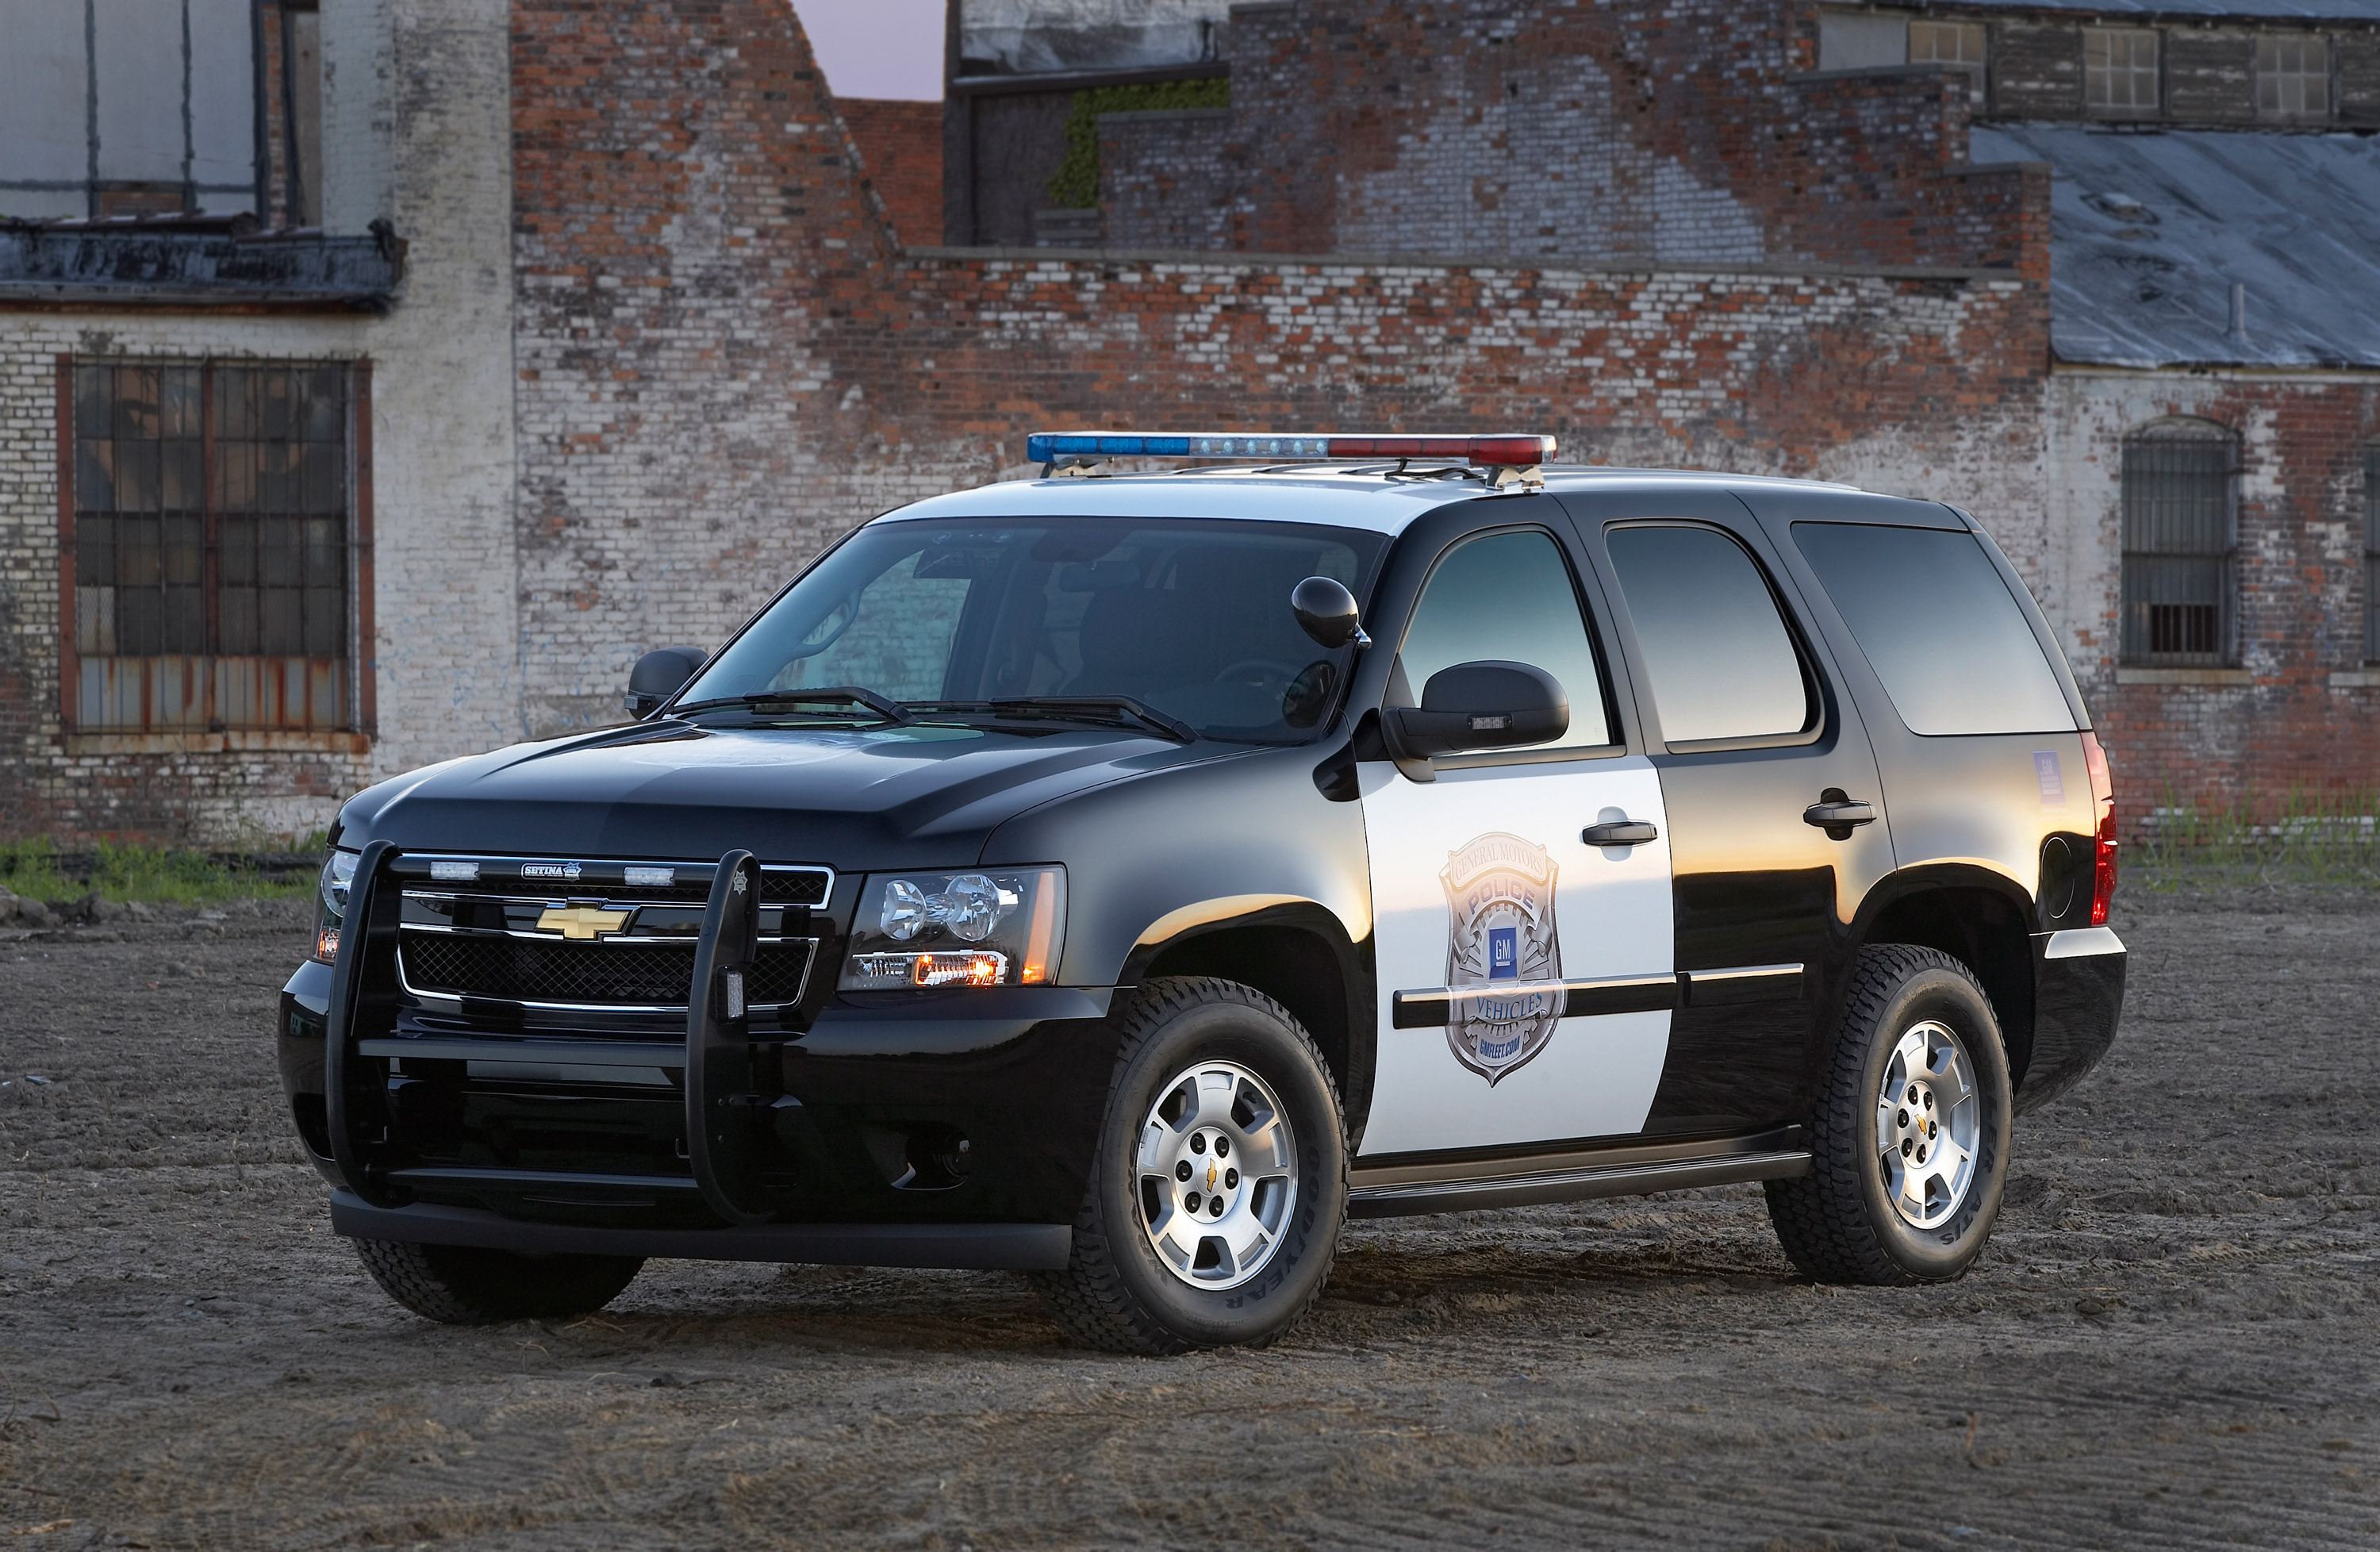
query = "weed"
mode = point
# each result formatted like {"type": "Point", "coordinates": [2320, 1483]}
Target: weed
{"type": "Point", "coordinates": [2307, 836]}
{"type": "Point", "coordinates": [37, 869]}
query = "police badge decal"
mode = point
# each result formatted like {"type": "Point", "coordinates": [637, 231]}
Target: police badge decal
{"type": "Point", "coordinates": [1500, 939]}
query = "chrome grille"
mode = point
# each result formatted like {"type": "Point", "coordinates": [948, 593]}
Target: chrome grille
{"type": "Point", "coordinates": [584, 974]}
{"type": "Point", "coordinates": [489, 930]}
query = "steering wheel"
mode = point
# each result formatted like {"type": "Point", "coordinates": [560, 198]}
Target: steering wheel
{"type": "Point", "coordinates": [1261, 673]}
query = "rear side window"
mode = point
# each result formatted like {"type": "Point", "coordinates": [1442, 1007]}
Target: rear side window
{"type": "Point", "coordinates": [1722, 661]}
{"type": "Point", "coordinates": [1939, 627]}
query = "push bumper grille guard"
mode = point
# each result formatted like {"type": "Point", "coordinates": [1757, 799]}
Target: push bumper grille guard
{"type": "Point", "coordinates": [722, 1115]}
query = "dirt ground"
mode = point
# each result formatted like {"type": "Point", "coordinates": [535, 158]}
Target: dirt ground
{"type": "Point", "coordinates": [2169, 1344]}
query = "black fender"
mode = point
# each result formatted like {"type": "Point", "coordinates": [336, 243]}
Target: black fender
{"type": "Point", "coordinates": [1298, 953]}
{"type": "Point", "coordinates": [1975, 912]}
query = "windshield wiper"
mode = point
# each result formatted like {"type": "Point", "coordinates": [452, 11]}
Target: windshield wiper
{"type": "Point", "coordinates": [841, 694]}
{"type": "Point", "coordinates": [1110, 710]}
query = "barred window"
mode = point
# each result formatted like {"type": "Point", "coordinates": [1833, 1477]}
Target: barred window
{"type": "Point", "coordinates": [2293, 76]}
{"type": "Point", "coordinates": [2119, 68]}
{"type": "Point", "coordinates": [214, 517]}
{"type": "Point", "coordinates": [2372, 554]}
{"type": "Point", "coordinates": [2181, 486]}
{"type": "Point", "coordinates": [1960, 44]}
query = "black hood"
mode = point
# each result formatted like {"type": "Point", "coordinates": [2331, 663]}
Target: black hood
{"type": "Point", "coordinates": [852, 799]}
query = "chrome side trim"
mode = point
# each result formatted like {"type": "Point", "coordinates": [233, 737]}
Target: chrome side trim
{"type": "Point", "coordinates": [2082, 941]}
{"type": "Point", "coordinates": [1742, 972]}
{"type": "Point", "coordinates": [1434, 1007]}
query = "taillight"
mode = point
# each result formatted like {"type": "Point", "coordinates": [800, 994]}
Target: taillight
{"type": "Point", "coordinates": [2103, 803]}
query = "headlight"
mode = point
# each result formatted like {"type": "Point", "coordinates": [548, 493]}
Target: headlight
{"type": "Point", "coordinates": [338, 876]}
{"type": "Point", "coordinates": [985, 926]}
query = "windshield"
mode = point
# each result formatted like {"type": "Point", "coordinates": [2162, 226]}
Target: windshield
{"type": "Point", "coordinates": [1184, 616]}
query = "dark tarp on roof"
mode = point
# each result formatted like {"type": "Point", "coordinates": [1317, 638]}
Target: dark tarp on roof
{"type": "Point", "coordinates": [2150, 231]}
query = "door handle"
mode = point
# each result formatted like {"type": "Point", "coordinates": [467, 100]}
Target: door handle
{"type": "Point", "coordinates": [1620, 832]}
{"type": "Point", "coordinates": [1839, 814]}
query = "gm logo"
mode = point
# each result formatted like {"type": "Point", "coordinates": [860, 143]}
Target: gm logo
{"type": "Point", "coordinates": [1503, 953]}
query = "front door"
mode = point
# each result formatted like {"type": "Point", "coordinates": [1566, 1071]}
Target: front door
{"type": "Point", "coordinates": [1524, 973]}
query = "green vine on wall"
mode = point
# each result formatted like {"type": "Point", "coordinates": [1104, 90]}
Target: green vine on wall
{"type": "Point", "coordinates": [1075, 186]}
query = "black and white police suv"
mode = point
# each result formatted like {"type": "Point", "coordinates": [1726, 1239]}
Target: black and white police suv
{"type": "Point", "coordinates": [1124, 880]}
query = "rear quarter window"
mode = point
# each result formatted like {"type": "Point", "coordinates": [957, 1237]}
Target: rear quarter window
{"type": "Point", "coordinates": [1939, 627]}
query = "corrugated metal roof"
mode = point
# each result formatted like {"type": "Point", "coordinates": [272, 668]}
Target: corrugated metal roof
{"type": "Point", "coordinates": [2150, 231]}
{"type": "Point", "coordinates": [2264, 10]}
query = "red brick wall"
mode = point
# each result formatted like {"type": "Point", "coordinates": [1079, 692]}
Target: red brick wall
{"type": "Point", "coordinates": [2304, 724]}
{"type": "Point", "coordinates": [725, 360]}
{"type": "Point", "coordinates": [900, 144]}
{"type": "Point", "coordinates": [1676, 130]}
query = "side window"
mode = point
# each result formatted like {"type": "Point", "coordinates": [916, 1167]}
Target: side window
{"type": "Point", "coordinates": [1509, 598]}
{"type": "Point", "coordinates": [1721, 663]}
{"type": "Point", "coordinates": [1939, 627]}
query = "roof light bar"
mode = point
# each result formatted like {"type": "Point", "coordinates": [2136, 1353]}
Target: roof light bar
{"type": "Point", "coordinates": [1487, 451]}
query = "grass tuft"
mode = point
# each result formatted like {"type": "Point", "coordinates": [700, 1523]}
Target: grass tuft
{"type": "Point", "coordinates": [2307, 836]}
{"type": "Point", "coordinates": [37, 869]}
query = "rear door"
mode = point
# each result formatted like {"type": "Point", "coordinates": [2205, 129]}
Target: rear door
{"type": "Point", "coordinates": [1750, 735]}
{"type": "Point", "coordinates": [1524, 974]}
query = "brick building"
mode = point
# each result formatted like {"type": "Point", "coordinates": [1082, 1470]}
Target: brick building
{"type": "Point", "coordinates": [647, 317]}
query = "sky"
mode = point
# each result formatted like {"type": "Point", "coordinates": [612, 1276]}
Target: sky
{"type": "Point", "coordinates": [876, 48]}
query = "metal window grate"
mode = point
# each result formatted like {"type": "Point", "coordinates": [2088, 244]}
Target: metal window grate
{"type": "Point", "coordinates": [2180, 498]}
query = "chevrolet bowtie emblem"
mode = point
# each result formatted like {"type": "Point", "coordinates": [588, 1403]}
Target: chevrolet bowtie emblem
{"type": "Point", "coordinates": [1210, 1176]}
{"type": "Point", "coordinates": [581, 921]}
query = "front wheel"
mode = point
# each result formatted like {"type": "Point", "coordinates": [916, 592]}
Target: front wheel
{"type": "Point", "coordinates": [1220, 1183]}
{"type": "Point", "coordinates": [1910, 1143]}
{"type": "Point", "coordinates": [467, 1287]}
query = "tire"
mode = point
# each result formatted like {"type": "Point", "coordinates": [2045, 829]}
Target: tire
{"type": "Point", "coordinates": [1860, 1216]}
{"type": "Point", "coordinates": [467, 1287]}
{"type": "Point", "coordinates": [1145, 1275]}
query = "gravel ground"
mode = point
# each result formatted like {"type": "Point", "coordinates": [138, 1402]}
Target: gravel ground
{"type": "Point", "coordinates": [2169, 1342]}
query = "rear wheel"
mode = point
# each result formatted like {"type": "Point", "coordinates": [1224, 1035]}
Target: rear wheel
{"type": "Point", "coordinates": [467, 1287]}
{"type": "Point", "coordinates": [1220, 1179]}
{"type": "Point", "coordinates": [1910, 1143]}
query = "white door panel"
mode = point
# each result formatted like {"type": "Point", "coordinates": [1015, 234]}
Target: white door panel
{"type": "Point", "coordinates": [1461, 869]}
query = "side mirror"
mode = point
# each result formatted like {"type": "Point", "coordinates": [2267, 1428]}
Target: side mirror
{"type": "Point", "coordinates": [1326, 611]}
{"type": "Point", "coordinates": [658, 676]}
{"type": "Point", "coordinates": [1480, 706]}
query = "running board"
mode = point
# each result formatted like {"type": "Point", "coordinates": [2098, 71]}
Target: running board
{"type": "Point", "coordinates": [1580, 1182]}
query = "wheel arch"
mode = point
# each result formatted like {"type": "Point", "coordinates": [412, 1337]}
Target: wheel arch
{"type": "Point", "coordinates": [1977, 916]}
{"type": "Point", "coordinates": [1298, 953]}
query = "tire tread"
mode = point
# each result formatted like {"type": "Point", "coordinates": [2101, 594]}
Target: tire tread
{"type": "Point", "coordinates": [1821, 1218]}
{"type": "Point", "coordinates": [1089, 1298]}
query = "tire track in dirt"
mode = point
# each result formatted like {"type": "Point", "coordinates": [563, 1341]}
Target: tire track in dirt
{"type": "Point", "coordinates": [2169, 1342]}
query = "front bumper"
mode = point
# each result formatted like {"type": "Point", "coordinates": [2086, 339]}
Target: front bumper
{"type": "Point", "coordinates": [2078, 995]}
{"type": "Point", "coordinates": [1013, 1247]}
{"type": "Point", "coordinates": [953, 1127]}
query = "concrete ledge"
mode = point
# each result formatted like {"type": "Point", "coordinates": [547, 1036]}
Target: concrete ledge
{"type": "Point", "coordinates": [257, 741]}
{"type": "Point", "coordinates": [2184, 676]}
{"type": "Point", "coordinates": [2355, 678]}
